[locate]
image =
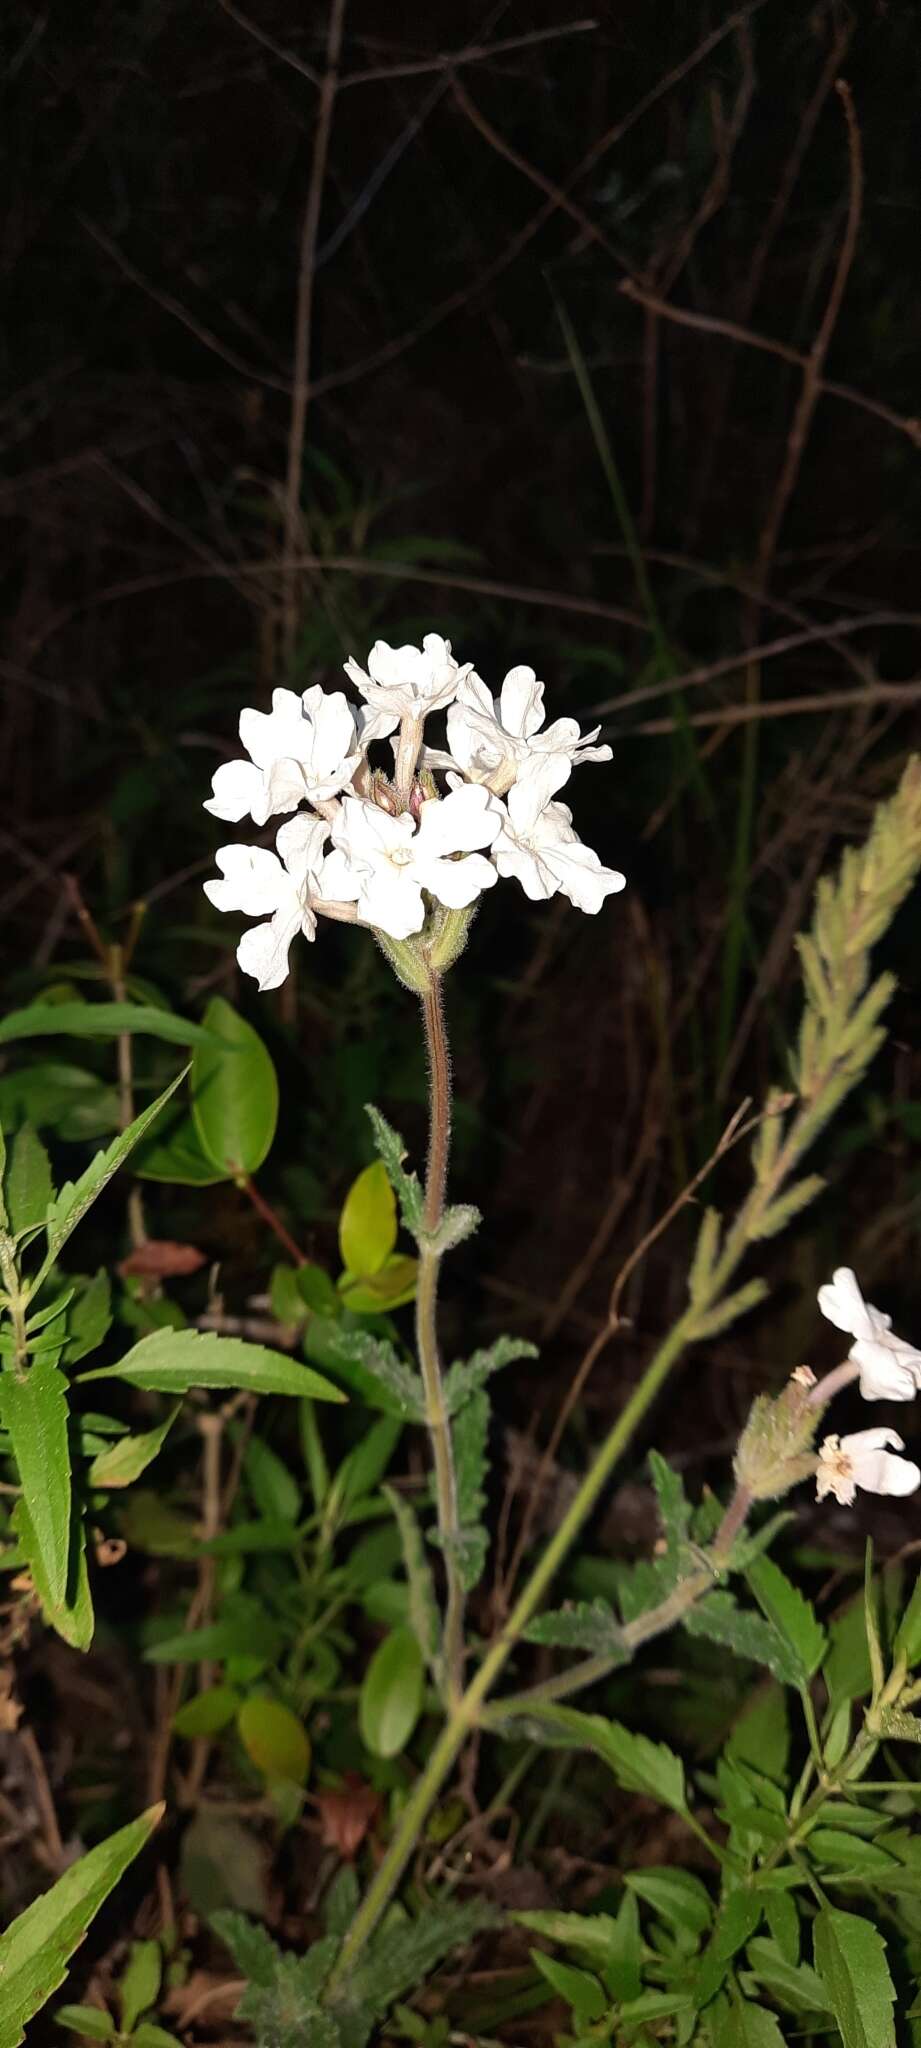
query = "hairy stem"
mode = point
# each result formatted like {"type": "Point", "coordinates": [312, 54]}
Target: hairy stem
{"type": "Point", "coordinates": [436, 1419]}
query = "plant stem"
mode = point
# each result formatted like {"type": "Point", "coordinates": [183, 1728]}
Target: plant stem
{"type": "Point", "coordinates": [436, 1419]}
{"type": "Point", "coordinates": [264, 1209]}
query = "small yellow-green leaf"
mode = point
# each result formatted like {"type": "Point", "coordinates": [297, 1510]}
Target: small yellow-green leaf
{"type": "Point", "coordinates": [125, 1460]}
{"type": "Point", "coordinates": [368, 1223]}
{"type": "Point", "coordinates": [375, 1293]}
{"type": "Point", "coordinates": [208, 1712]}
{"type": "Point", "coordinates": [274, 1739]}
{"type": "Point", "coordinates": [391, 1695]}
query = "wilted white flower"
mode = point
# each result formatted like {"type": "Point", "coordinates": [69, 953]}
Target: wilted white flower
{"type": "Point", "coordinates": [846, 1462]}
{"type": "Point", "coordinates": [536, 843]}
{"type": "Point", "coordinates": [306, 748]}
{"type": "Point", "coordinates": [408, 682]}
{"type": "Point", "coordinates": [255, 881]}
{"type": "Point", "coordinates": [499, 740]}
{"type": "Point", "coordinates": [890, 1369]}
{"type": "Point", "coordinates": [383, 862]}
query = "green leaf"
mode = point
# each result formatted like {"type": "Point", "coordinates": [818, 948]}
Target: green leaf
{"type": "Point", "coordinates": [674, 1507]}
{"type": "Point", "coordinates": [88, 2020]}
{"type": "Point", "coordinates": [593, 1935]}
{"type": "Point", "coordinates": [638, 1764]}
{"type": "Point", "coordinates": [392, 1286]}
{"type": "Point", "coordinates": [360, 1472]}
{"type": "Point", "coordinates": [98, 1020]}
{"type": "Point", "coordinates": [794, 1984]}
{"type": "Point", "coordinates": [207, 1713]}
{"type": "Point", "coordinates": [274, 1739]}
{"type": "Point", "coordinates": [71, 1617]}
{"type": "Point", "coordinates": [589, 1625]}
{"type": "Point", "coordinates": [423, 1607]}
{"type": "Point", "coordinates": [405, 1185]}
{"type": "Point", "coordinates": [35, 1950]}
{"type": "Point", "coordinates": [908, 1635]}
{"type": "Point", "coordinates": [122, 1463]}
{"type": "Point", "coordinates": [720, 1619]}
{"type": "Point", "coordinates": [850, 1957]}
{"type": "Point", "coordinates": [89, 1317]}
{"type": "Point", "coordinates": [761, 1734]}
{"type": "Point", "coordinates": [736, 2023]}
{"type": "Point", "coordinates": [140, 1983]}
{"type": "Point", "coordinates": [400, 1957]}
{"type": "Point", "coordinates": [76, 1197]}
{"type": "Point", "coordinates": [234, 1091]}
{"type": "Point", "coordinates": [582, 1992]}
{"type": "Point", "coordinates": [371, 1363]}
{"type": "Point", "coordinates": [174, 1153]}
{"type": "Point", "coordinates": [676, 1895]}
{"type": "Point", "coordinates": [244, 1629]}
{"type": "Point", "coordinates": [34, 1411]}
{"type": "Point", "coordinates": [790, 1613]}
{"type": "Point", "coordinates": [172, 1361]}
{"type": "Point", "coordinates": [274, 1489]}
{"type": "Point", "coordinates": [368, 1223]}
{"type": "Point", "coordinates": [391, 1695]}
{"type": "Point", "coordinates": [70, 1098]}
{"type": "Point", "coordinates": [739, 1915]}
{"type": "Point", "coordinates": [149, 2035]}
{"type": "Point", "coordinates": [467, 1375]}
{"type": "Point", "coordinates": [27, 1187]}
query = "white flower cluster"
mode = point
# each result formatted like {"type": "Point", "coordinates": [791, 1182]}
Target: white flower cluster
{"type": "Point", "coordinates": [887, 1369]}
{"type": "Point", "coordinates": [372, 850]}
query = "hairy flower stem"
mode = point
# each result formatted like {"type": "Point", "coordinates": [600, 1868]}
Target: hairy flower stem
{"type": "Point", "coordinates": [437, 1424]}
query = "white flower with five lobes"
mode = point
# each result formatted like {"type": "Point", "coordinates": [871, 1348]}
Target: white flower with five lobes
{"type": "Point", "coordinates": [306, 749]}
{"type": "Point", "coordinates": [383, 863]}
{"type": "Point", "coordinates": [499, 741]}
{"type": "Point", "coordinates": [863, 1460]}
{"type": "Point", "coordinates": [256, 881]}
{"type": "Point", "coordinates": [537, 845]}
{"type": "Point", "coordinates": [408, 682]}
{"type": "Point", "coordinates": [890, 1369]}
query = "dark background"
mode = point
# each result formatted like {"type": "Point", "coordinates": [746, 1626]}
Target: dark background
{"type": "Point", "coordinates": [506, 444]}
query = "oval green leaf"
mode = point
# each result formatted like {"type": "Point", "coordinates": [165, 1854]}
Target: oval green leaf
{"type": "Point", "coordinates": [208, 1712]}
{"type": "Point", "coordinates": [391, 1696]}
{"type": "Point", "coordinates": [234, 1091]}
{"type": "Point", "coordinates": [368, 1223]}
{"type": "Point", "coordinates": [274, 1739]}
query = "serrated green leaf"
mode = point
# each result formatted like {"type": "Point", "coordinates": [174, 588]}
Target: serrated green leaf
{"type": "Point", "coordinates": [638, 1764]}
{"type": "Point", "coordinates": [592, 1935]}
{"type": "Point", "coordinates": [737, 2023]}
{"type": "Point", "coordinates": [467, 1375]}
{"type": "Point", "coordinates": [35, 1950]}
{"type": "Point", "coordinates": [34, 1411]}
{"type": "Point", "coordinates": [234, 1091]}
{"type": "Point", "coordinates": [589, 1625]}
{"type": "Point", "coordinates": [791, 1614]}
{"type": "Point", "coordinates": [850, 1957]}
{"type": "Point", "coordinates": [400, 1957]}
{"type": "Point", "coordinates": [390, 1701]}
{"type": "Point", "coordinates": [172, 1361]}
{"type": "Point", "coordinates": [718, 1618]}
{"type": "Point", "coordinates": [368, 1221]}
{"type": "Point", "coordinates": [739, 1916]}
{"type": "Point", "coordinates": [676, 1895]}
{"type": "Point", "coordinates": [378, 1365]}
{"type": "Point", "coordinates": [72, 1617]}
{"type": "Point", "coordinates": [76, 1197]}
{"type": "Point", "coordinates": [423, 1607]}
{"type": "Point", "coordinates": [123, 1462]}
{"type": "Point", "coordinates": [27, 1187]}
{"type": "Point", "coordinates": [405, 1185]}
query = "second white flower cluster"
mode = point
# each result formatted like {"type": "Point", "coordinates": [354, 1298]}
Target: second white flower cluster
{"type": "Point", "coordinates": [375, 850]}
{"type": "Point", "coordinates": [887, 1368]}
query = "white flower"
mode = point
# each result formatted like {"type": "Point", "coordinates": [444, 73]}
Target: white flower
{"type": "Point", "coordinates": [305, 748]}
{"type": "Point", "coordinates": [383, 863]}
{"type": "Point", "coordinates": [536, 843]}
{"type": "Point", "coordinates": [890, 1369]}
{"type": "Point", "coordinates": [408, 682]}
{"type": "Point", "coordinates": [499, 740]}
{"type": "Point", "coordinates": [847, 1462]}
{"type": "Point", "coordinates": [254, 880]}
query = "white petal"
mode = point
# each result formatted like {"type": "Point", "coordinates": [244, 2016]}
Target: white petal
{"type": "Point", "coordinates": [254, 880]}
{"type": "Point", "coordinates": [393, 902]}
{"type": "Point", "coordinates": [237, 787]}
{"type": "Point", "coordinates": [539, 777]}
{"type": "Point", "coordinates": [263, 950]}
{"type": "Point", "coordinates": [337, 880]}
{"type": "Point", "coordinates": [285, 787]}
{"type": "Point", "coordinates": [459, 823]}
{"type": "Point", "coordinates": [373, 725]}
{"type": "Point", "coordinates": [300, 844]}
{"type": "Point", "coordinates": [521, 703]}
{"type": "Point", "coordinates": [458, 883]}
{"type": "Point", "coordinates": [888, 1371]}
{"type": "Point", "coordinates": [267, 734]}
{"type": "Point", "coordinates": [842, 1303]}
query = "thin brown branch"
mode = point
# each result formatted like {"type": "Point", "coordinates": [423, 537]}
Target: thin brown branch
{"type": "Point", "coordinates": [473, 53]}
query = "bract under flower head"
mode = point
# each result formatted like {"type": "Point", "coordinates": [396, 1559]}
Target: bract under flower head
{"type": "Point", "coordinates": [890, 1368]}
{"type": "Point", "coordinates": [498, 740]}
{"type": "Point", "coordinates": [536, 844]}
{"type": "Point", "coordinates": [383, 862]}
{"type": "Point", "coordinates": [306, 749]}
{"type": "Point", "coordinates": [863, 1460]}
{"type": "Point", "coordinates": [408, 682]}
{"type": "Point", "coordinates": [255, 880]}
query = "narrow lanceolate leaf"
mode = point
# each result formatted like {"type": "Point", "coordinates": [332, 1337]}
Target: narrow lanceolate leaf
{"type": "Point", "coordinates": [467, 1375]}
{"type": "Point", "coordinates": [589, 1625]}
{"type": "Point", "coordinates": [790, 1613]}
{"type": "Point", "coordinates": [98, 1020]}
{"type": "Point", "coordinates": [172, 1361]}
{"type": "Point", "coordinates": [405, 1185]}
{"type": "Point", "coordinates": [674, 1507]}
{"type": "Point", "coordinates": [720, 1620]}
{"type": "Point", "coordinates": [27, 1188]}
{"type": "Point", "coordinates": [423, 1607]}
{"type": "Point", "coordinates": [71, 1618]}
{"type": "Point", "coordinates": [36, 1948]}
{"type": "Point", "coordinates": [850, 1956]}
{"type": "Point", "coordinates": [234, 1091]}
{"type": "Point", "coordinates": [76, 1197]}
{"type": "Point", "coordinates": [34, 1412]}
{"type": "Point", "coordinates": [123, 1462]}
